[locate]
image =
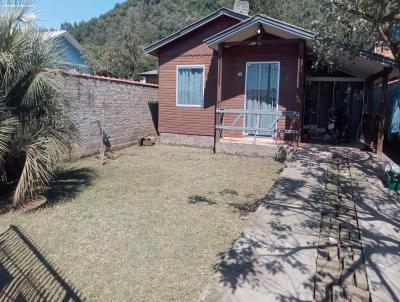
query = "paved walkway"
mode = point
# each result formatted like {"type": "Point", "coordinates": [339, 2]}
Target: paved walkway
{"type": "Point", "coordinates": [274, 258]}
{"type": "Point", "coordinates": [379, 221]}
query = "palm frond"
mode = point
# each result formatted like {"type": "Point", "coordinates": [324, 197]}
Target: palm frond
{"type": "Point", "coordinates": [36, 172]}
{"type": "Point", "coordinates": [40, 86]}
{"type": "Point", "coordinates": [45, 152]}
{"type": "Point", "coordinates": [45, 134]}
{"type": "Point", "coordinates": [7, 129]}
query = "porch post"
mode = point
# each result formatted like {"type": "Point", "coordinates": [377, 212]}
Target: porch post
{"type": "Point", "coordinates": [219, 94]}
{"type": "Point", "coordinates": [368, 117]}
{"type": "Point", "coordinates": [382, 112]}
{"type": "Point", "coordinates": [301, 84]}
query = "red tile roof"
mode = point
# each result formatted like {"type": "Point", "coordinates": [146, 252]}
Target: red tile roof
{"type": "Point", "coordinates": [118, 80]}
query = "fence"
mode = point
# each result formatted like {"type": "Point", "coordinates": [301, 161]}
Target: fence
{"type": "Point", "coordinates": [270, 129]}
{"type": "Point", "coordinates": [126, 110]}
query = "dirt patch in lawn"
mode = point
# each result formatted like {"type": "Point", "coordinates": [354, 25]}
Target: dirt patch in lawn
{"type": "Point", "coordinates": [149, 225]}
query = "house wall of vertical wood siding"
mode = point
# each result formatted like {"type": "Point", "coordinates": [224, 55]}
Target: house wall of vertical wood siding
{"type": "Point", "coordinates": [126, 109]}
{"type": "Point", "coordinates": [189, 50]}
{"type": "Point", "coordinates": [234, 77]}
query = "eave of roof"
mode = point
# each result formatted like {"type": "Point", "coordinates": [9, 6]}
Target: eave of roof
{"type": "Point", "coordinates": [223, 11]}
{"type": "Point", "coordinates": [379, 59]}
{"type": "Point", "coordinates": [67, 36]}
{"type": "Point", "coordinates": [298, 31]}
{"type": "Point", "coordinates": [73, 41]}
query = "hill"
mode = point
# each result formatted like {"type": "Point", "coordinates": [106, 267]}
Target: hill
{"type": "Point", "coordinates": [115, 40]}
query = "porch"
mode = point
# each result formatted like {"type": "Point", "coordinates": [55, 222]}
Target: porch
{"type": "Point", "coordinates": [269, 96]}
{"type": "Point", "coordinates": [246, 137]}
{"type": "Point", "coordinates": [259, 92]}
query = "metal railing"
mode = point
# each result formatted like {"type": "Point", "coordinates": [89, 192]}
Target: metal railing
{"type": "Point", "coordinates": [271, 129]}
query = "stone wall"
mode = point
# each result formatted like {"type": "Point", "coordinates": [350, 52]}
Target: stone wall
{"type": "Point", "coordinates": [126, 109]}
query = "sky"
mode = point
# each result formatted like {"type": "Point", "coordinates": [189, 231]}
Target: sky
{"type": "Point", "coordinates": [51, 13]}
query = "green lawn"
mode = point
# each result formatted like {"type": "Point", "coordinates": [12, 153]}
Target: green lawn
{"type": "Point", "coordinates": [149, 225]}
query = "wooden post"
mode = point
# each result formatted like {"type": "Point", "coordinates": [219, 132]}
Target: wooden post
{"type": "Point", "coordinates": [370, 100]}
{"type": "Point", "coordinates": [219, 94]}
{"type": "Point", "coordinates": [300, 88]}
{"type": "Point", "coordinates": [382, 113]}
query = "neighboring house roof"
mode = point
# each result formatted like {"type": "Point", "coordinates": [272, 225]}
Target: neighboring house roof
{"type": "Point", "coordinates": [150, 72]}
{"type": "Point", "coordinates": [70, 49]}
{"type": "Point", "coordinates": [221, 12]}
{"type": "Point", "coordinates": [103, 78]}
{"type": "Point", "coordinates": [384, 51]}
{"type": "Point", "coordinates": [67, 36]}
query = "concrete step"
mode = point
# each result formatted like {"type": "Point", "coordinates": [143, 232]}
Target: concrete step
{"type": "Point", "coordinates": [250, 149]}
{"type": "Point", "coordinates": [247, 149]}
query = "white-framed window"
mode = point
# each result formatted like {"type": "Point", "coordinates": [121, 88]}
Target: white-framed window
{"type": "Point", "coordinates": [190, 85]}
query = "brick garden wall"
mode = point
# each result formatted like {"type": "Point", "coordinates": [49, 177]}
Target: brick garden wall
{"type": "Point", "coordinates": [128, 110]}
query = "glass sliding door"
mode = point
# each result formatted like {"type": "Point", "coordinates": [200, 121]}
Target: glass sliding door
{"type": "Point", "coordinates": [262, 92]}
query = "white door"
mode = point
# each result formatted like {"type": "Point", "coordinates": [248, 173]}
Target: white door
{"type": "Point", "coordinates": [262, 93]}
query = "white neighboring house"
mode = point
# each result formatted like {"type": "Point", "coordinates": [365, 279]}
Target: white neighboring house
{"type": "Point", "coordinates": [150, 77]}
{"type": "Point", "coordinates": [71, 49]}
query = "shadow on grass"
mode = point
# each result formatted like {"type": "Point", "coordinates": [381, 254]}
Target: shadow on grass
{"type": "Point", "coordinates": [229, 192]}
{"type": "Point", "coordinates": [246, 208]}
{"type": "Point", "coordinates": [26, 275]}
{"type": "Point", "coordinates": [68, 184]}
{"type": "Point", "coordinates": [194, 199]}
{"type": "Point", "coordinates": [242, 208]}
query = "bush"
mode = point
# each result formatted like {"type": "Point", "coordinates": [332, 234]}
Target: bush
{"type": "Point", "coordinates": [35, 131]}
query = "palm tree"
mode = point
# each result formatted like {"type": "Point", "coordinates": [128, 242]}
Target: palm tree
{"type": "Point", "coordinates": [36, 133]}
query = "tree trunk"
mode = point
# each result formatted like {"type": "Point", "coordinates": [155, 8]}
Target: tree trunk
{"type": "Point", "coordinates": [382, 113]}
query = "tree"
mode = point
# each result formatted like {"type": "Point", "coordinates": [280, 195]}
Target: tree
{"type": "Point", "coordinates": [116, 39]}
{"type": "Point", "coordinates": [121, 53]}
{"type": "Point", "coordinates": [357, 25]}
{"type": "Point", "coordinates": [354, 26]}
{"type": "Point", "coordinates": [35, 132]}
{"type": "Point", "coordinates": [271, 8]}
{"type": "Point", "coordinates": [300, 13]}
{"type": "Point", "coordinates": [127, 47]}
{"type": "Point", "coordinates": [66, 26]}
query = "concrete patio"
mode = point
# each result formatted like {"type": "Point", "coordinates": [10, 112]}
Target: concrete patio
{"type": "Point", "coordinates": [275, 257]}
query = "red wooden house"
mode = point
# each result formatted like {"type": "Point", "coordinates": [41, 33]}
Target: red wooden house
{"type": "Point", "coordinates": [230, 77]}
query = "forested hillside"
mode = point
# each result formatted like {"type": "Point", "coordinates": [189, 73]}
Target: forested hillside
{"type": "Point", "coordinates": [115, 40]}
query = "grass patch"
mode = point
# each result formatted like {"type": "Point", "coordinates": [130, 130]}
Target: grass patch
{"type": "Point", "coordinates": [149, 225]}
